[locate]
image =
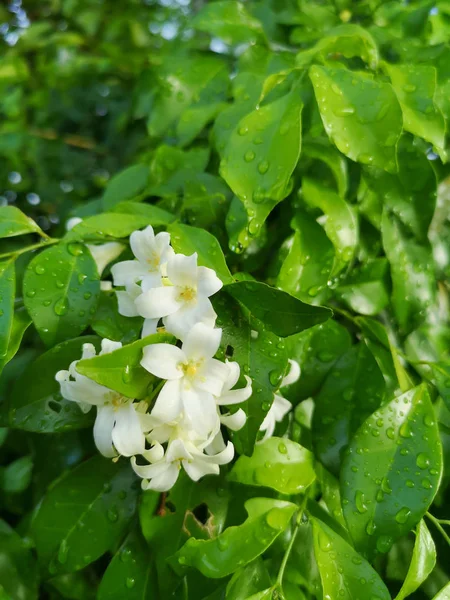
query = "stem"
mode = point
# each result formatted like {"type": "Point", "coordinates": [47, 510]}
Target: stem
{"type": "Point", "coordinates": [287, 554]}
{"type": "Point", "coordinates": [46, 242]}
{"type": "Point", "coordinates": [439, 527]}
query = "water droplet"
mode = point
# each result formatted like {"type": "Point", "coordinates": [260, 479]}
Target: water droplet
{"type": "Point", "coordinates": [243, 130]}
{"type": "Point", "coordinates": [423, 460]}
{"type": "Point", "coordinates": [403, 515]}
{"type": "Point", "coordinates": [275, 377]}
{"type": "Point", "coordinates": [409, 87]}
{"type": "Point", "coordinates": [130, 582]}
{"type": "Point", "coordinates": [126, 374]}
{"type": "Point", "coordinates": [370, 528]}
{"type": "Point", "coordinates": [390, 432]}
{"type": "Point", "coordinates": [428, 421]}
{"type": "Point", "coordinates": [249, 156]}
{"type": "Point", "coordinates": [63, 552]}
{"type": "Point", "coordinates": [61, 306]}
{"type": "Point", "coordinates": [405, 430]}
{"type": "Point", "coordinates": [360, 502]}
{"type": "Point", "coordinates": [282, 449]}
{"type": "Point", "coordinates": [75, 249]}
{"type": "Point", "coordinates": [60, 284]}
{"type": "Point", "coordinates": [263, 167]}
{"type": "Point", "coordinates": [384, 543]}
{"type": "Point", "coordinates": [222, 542]}
{"type": "Point", "coordinates": [426, 484]}
{"type": "Point", "coordinates": [112, 514]}
{"type": "Point", "coordinates": [87, 295]}
{"type": "Point", "coordinates": [39, 269]}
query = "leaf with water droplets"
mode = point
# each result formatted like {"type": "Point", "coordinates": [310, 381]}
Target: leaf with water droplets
{"type": "Point", "coordinates": [366, 289]}
{"type": "Point", "coordinates": [344, 573]}
{"type": "Point", "coordinates": [398, 470]}
{"type": "Point", "coordinates": [248, 581]}
{"type": "Point", "coordinates": [278, 463]}
{"type": "Point", "coordinates": [14, 222]}
{"type": "Point", "coordinates": [361, 115]}
{"type": "Point", "coordinates": [69, 311]}
{"type": "Point", "coordinates": [7, 296]}
{"type": "Point", "coordinates": [238, 545]}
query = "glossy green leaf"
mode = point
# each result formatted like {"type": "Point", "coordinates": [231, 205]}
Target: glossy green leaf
{"type": "Point", "coordinates": [391, 472]}
{"type": "Point", "coordinates": [130, 574]}
{"type": "Point", "coordinates": [221, 556]}
{"type": "Point", "coordinates": [61, 289]}
{"type": "Point", "coordinates": [21, 322]}
{"type": "Point", "coordinates": [366, 290]}
{"type": "Point", "coordinates": [107, 226]}
{"type": "Point", "coordinates": [84, 513]}
{"type": "Point", "coordinates": [352, 391]}
{"type": "Point", "coordinates": [307, 267]}
{"type": "Point", "coordinates": [154, 215]}
{"type": "Point", "coordinates": [126, 185]}
{"type": "Point", "coordinates": [7, 296]}
{"type": "Point", "coordinates": [14, 222]}
{"type": "Point", "coordinates": [321, 149]}
{"type": "Point", "coordinates": [280, 312]}
{"type": "Point", "coordinates": [344, 573]}
{"type": "Point", "coordinates": [230, 21]}
{"type": "Point", "coordinates": [247, 581]}
{"type": "Point", "coordinates": [412, 273]}
{"type": "Point", "coordinates": [121, 370]}
{"type": "Point", "coordinates": [415, 86]}
{"type": "Point", "coordinates": [18, 569]}
{"type": "Point", "coordinates": [187, 240]}
{"type": "Point", "coordinates": [341, 224]}
{"type": "Point", "coordinates": [40, 407]}
{"type": "Point", "coordinates": [261, 155]}
{"type": "Point", "coordinates": [422, 562]}
{"type": "Point", "coordinates": [361, 115]}
{"type": "Point", "coordinates": [444, 594]}
{"type": "Point", "coordinates": [278, 463]}
{"type": "Point", "coordinates": [17, 475]}
{"type": "Point", "coordinates": [108, 323]}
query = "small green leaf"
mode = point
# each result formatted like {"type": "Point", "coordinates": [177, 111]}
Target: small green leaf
{"type": "Point", "coordinates": [278, 463]}
{"type": "Point", "coordinates": [84, 514]}
{"type": "Point", "coordinates": [61, 289]}
{"type": "Point", "coordinates": [360, 114]}
{"type": "Point", "coordinates": [7, 296]}
{"type": "Point", "coordinates": [18, 569]}
{"type": "Point", "coordinates": [280, 312]}
{"type": "Point", "coordinates": [230, 21]}
{"type": "Point", "coordinates": [154, 215]}
{"type": "Point", "coordinates": [187, 240]}
{"type": "Point", "coordinates": [344, 573]}
{"type": "Point", "coordinates": [392, 471]}
{"type": "Point", "coordinates": [239, 545]}
{"type": "Point", "coordinates": [365, 290]}
{"type": "Point", "coordinates": [39, 407]}
{"type": "Point", "coordinates": [107, 226]}
{"type": "Point", "coordinates": [261, 155]}
{"type": "Point", "coordinates": [20, 324]}
{"type": "Point", "coordinates": [13, 222]}
{"type": "Point", "coordinates": [422, 562]}
{"type": "Point", "coordinates": [126, 185]}
{"type": "Point", "coordinates": [17, 475]}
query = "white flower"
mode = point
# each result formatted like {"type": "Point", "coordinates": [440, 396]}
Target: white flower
{"type": "Point", "coordinates": [117, 428]}
{"type": "Point", "coordinates": [181, 298]}
{"type": "Point", "coordinates": [151, 252]}
{"type": "Point", "coordinates": [280, 406]}
{"type": "Point", "coordinates": [185, 450]}
{"type": "Point", "coordinates": [194, 379]}
{"type": "Point", "coordinates": [229, 397]}
{"type": "Point", "coordinates": [127, 307]}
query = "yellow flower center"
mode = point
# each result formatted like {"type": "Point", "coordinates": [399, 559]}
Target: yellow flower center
{"type": "Point", "coordinates": [116, 400]}
{"type": "Point", "coordinates": [188, 294]}
{"type": "Point", "coordinates": [153, 262]}
{"type": "Point", "coordinates": [191, 368]}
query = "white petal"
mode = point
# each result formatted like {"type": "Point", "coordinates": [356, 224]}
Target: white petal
{"type": "Point", "coordinates": [158, 302]}
{"type": "Point", "coordinates": [181, 322]}
{"type": "Point", "coordinates": [202, 342]}
{"type": "Point", "coordinates": [235, 421]}
{"type": "Point", "coordinates": [163, 360]}
{"type": "Point", "coordinates": [208, 282]}
{"type": "Point", "coordinates": [293, 373]}
{"type": "Point", "coordinates": [106, 286]}
{"type": "Point", "coordinates": [103, 427]}
{"type": "Point", "coordinates": [155, 454]}
{"type": "Point", "coordinates": [72, 222]}
{"type": "Point", "coordinates": [109, 346]}
{"type": "Point", "coordinates": [200, 409]}
{"type": "Point", "coordinates": [182, 270]}
{"type": "Point", "coordinates": [163, 247]}
{"type": "Point", "coordinates": [103, 254]}
{"type": "Point", "coordinates": [211, 377]}
{"type": "Point", "coordinates": [234, 371]}
{"type": "Point", "coordinates": [149, 471]}
{"type": "Point", "coordinates": [127, 271]}
{"type": "Point", "coordinates": [165, 481]}
{"type": "Point", "coordinates": [142, 244]}
{"type": "Point", "coordinates": [197, 469]}
{"type": "Point", "coordinates": [236, 396]}
{"type": "Point", "coordinates": [126, 300]}
{"type": "Point", "coordinates": [216, 445]}
{"type": "Point", "coordinates": [84, 391]}
{"type": "Point", "coordinates": [150, 281]}
{"type": "Point", "coordinates": [177, 450]}
{"type": "Point", "coordinates": [222, 458]}
{"type": "Point", "coordinates": [280, 407]}
{"type": "Point", "coordinates": [127, 434]}
{"type": "Point", "coordinates": [88, 351]}
{"type": "Point", "coordinates": [168, 405]}
{"type": "Point", "coordinates": [150, 327]}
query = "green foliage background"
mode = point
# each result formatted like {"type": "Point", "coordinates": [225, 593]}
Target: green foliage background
{"type": "Point", "coordinates": [299, 143]}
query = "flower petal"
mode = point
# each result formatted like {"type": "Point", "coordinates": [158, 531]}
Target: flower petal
{"type": "Point", "coordinates": [181, 322]}
{"type": "Point", "coordinates": [235, 421]}
{"type": "Point", "coordinates": [234, 371]}
{"type": "Point", "coordinates": [200, 410]}
{"type": "Point", "coordinates": [211, 377]}
{"type": "Point", "coordinates": [208, 282]}
{"type": "Point", "coordinates": [155, 454]}
{"type": "Point", "coordinates": [151, 281]}
{"type": "Point", "coordinates": [103, 254]}
{"type": "Point", "coordinates": [280, 407]}
{"type": "Point", "coordinates": [149, 471]}
{"type": "Point", "coordinates": [176, 450]}
{"type": "Point", "coordinates": [197, 469]}
{"type": "Point", "coordinates": [127, 272]}
{"type": "Point", "coordinates": [126, 300]}
{"type": "Point", "coordinates": [166, 480]}
{"type": "Point", "coordinates": [162, 360]}
{"type": "Point", "coordinates": [202, 342]}
{"type": "Point", "coordinates": [221, 458]}
{"type": "Point", "coordinates": [103, 427]}
{"type": "Point", "coordinates": [168, 404]}
{"type": "Point", "coordinates": [158, 302]}
{"type": "Point", "coordinates": [182, 270]}
{"type": "Point", "coordinates": [150, 327]}
{"type": "Point", "coordinates": [142, 244]}
{"type": "Point", "coordinates": [236, 396]}
{"type": "Point", "coordinates": [127, 434]}
{"type": "Point", "coordinates": [109, 346]}
{"type": "Point", "coordinates": [293, 373]}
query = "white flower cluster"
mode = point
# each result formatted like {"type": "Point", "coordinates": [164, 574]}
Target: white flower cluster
{"type": "Point", "coordinates": [183, 427]}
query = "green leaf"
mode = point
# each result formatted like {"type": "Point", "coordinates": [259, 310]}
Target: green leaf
{"type": "Point", "coordinates": [413, 279]}
{"type": "Point", "coordinates": [365, 290]}
{"type": "Point", "coordinates": [261, 155]}
{"type": "Point", "coordinates": [248, 580]}
{"type": "Point", "coordinates": [40, 406]}
{"type": "Point", "coordinates": [154, 215]}
{"type": "Point", "coordinates": [108, 323]}
{"type": "Point", "coordinates": [422, 562]}
{"type": "Point", "coordinates": [187, 240]}
{"type": "Point", "coordinates": [415, 86]}
{"type": "Point", "coordinates": [61, 290]}
{"type": "Point", "coordinates": [320, 149]}
{"type": "Point", "coordinates": [236, 224]}
{"type": "Point", "coordinates": [352, 391]}
{"type": "Point", "coordinates": [392, 471]}
{"type": "Point", "coordinates": [360, 114]}
{"type": "Point", "coordinates": [444, 594]}
{"type": "Point", "coordinates": [84, 513]}
{"type": "Point", "coordinates": [341, 225]}
{"type": "Point", "coordinates": [18, 569]}
{"type": "Point", "coordinates": [120, 370]}
{"type": "Point", "coordinates": [280, 312]}
{"type": "Point", "coordinates": [21, 322]}
{"type": "Point", "coordinates": [278, 463]}
{"type": "Point", "coordinates": [344, 573]}
{"type": "Point", "coordinates": [7, 296]}
{"type": "Point", "coordinates": [230, 21]}
{"type": "Point", "coordinates": [17, 475]}
{"type": "Point", "coordinates": [130, 574]}
{"type": "Point", "coordinates": [106, 226]}
{"type": "Point", "coordinates": [126, 185]}
{"type": "Point", "coordinates": [239, 545]}
{"type": "Point", "coordinates": [13, 222]}
{"type": "Point", "coordinates": [306, 269]}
